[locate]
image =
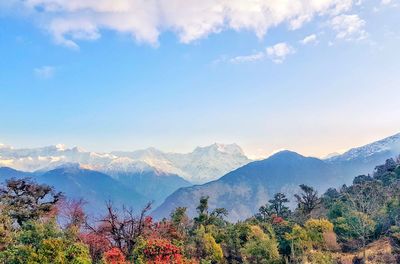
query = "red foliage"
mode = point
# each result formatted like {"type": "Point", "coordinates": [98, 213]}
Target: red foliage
{"type": "Point", "coordinates": [148, 221]}
{"type": "Point", "coordinates": [98, 244]}
{"type": "Point", "coordinates": [72, 212]}
{"type": "Point", "coordinates": [114, 256]}
{"type": "Point", "coordinates": [277, 219]}
{"type": "Point", "coordinates": [161, 251]}
{"type": "Point", "coordinates": [165, 230]}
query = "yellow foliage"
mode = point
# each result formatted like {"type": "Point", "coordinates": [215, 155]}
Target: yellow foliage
{"type": "Point", "coordinates": [319, 225]}
{"type": "Point", "coordinates": [260, 247]}
{"type": "Point", "coordinates": [212, 248]}
{"type": "Point", "coordinates": [52, 251]}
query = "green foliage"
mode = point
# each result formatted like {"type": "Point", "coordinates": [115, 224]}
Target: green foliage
{"type": "Point", "coordinates": [316, 228]}
{"type": "Point", "coordinates": [6, 231]}
{"type": "Point", "coordinates": [275, 207]}
{"type": "Point", "coordinates": [356, 212]}
{"type": "Point", "coordinates": [307, 200]}
{"type": "Point", "coordinates": [306, 240]}
{"type": "Point", "coordinates": [206, 218]}
{"type": "Point", "coordinates": [260, 247]}
{"type": "Point", "coordinates": [236, 237]}
{"type": "Point", "coordinates": [179, 216]}
{"type": "Point", "coordinates": [77, 253]}
{"type": "Point", "coordinates": [43, 242]}
{"type": "Point", "coordinates": [212, 249]}
{"type": "Point", "coordinates": [51, 250]}
{"type": "Point", "coordinates": [299, 241]}
{"type": "Point", "coordinates": [207, 247]}
{"type": "Point", "coordinates": [138, 252]}
{"type": "Point", "coordinates": [24, 200]}
{"type": "Point", "coordinates": [278, 205]}
{"type": "Point", "coordinates": [392, 211]}
{"type": "Point", "coordinates": [202, 210]}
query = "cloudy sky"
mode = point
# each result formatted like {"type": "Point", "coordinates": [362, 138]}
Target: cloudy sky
{"type": "Point", "coordinates": [314, 76]}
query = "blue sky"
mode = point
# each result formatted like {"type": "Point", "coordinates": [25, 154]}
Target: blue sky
{"type": "Point", "coordinates": [178, 77]}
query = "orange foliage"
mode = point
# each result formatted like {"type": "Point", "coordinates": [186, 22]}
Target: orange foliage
{"type": "Point", "coordinates": [161, 251]}
{"type": "Point", "coordinates": [98, 244]}
{"type": "Point", "coordinates": [114, 256]}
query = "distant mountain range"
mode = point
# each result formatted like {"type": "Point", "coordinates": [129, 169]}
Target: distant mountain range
{"type": "Point", "coordinates": [245, 189]}
{"type": "Point", "coordinates": [134, 178]}
{"type": "Point", "coordinates": [199, 166]}
{"type": "Point", "coordinates": [130, 178]}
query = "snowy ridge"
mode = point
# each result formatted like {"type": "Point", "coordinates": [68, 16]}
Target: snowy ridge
{"type": "Point", "coordinates": [201, 165]}
{"type": "Point", "coordinates": [389, 144]}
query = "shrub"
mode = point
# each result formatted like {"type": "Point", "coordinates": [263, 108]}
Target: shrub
{"type": "Point", "coordinates": [160, 251]}
{"type": "Point", "coordinates": [114, 256]}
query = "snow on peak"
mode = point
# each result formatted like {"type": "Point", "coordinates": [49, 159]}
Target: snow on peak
{"type": "Point", "coordinates": [391, 144]}
{"type": "Point", "coordinates": [201, 165]}
{"type": "Point", "coordinates": [330, 155]}
{"type": "Point", "coordinates": [61, 147]}
{"type": "Point", "coordinates": [5, 147]}
{"type": "Point", "coordinates": [231, 149]}
{"type": "Point", "coordinates": [69, 166]}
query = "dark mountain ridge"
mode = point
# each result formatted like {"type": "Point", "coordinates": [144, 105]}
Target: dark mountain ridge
{"type": "Point", "coordinates": [94, 187]}
{"type": "Point", "coordinates": [245, 189]}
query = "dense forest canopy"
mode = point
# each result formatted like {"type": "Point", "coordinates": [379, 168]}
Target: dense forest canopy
{"type": "Point", "coordinates": [359, 223]}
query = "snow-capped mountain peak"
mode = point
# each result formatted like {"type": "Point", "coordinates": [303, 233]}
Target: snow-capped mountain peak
{"type": "Point", "coordinates": [389, 144]}
{"type": "Point", "coordinates": [203, 164]}
{"type": "Point", "coordinates": [61, 147]}
{"type": "Point", "coordinates": [231, 149]}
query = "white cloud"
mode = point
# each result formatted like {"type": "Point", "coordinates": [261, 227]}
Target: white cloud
{"type": "Point", "coordinates": [248, 58]}
{"type": "Point", "coordinates": [349, 27]}
{"type": "Point", "coordinates": [44, 72]}
{"type": "Point", "coordinates": [311, 39]}
{"type": "Point", "coordinates": [70, 21]}
{"type": "Point", "coordinates": [279, 52]}
{"type": "Point", "coordinates": [386, 2]}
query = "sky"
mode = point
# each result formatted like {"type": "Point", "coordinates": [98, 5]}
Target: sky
{"type": "Point", "coordinates": [315, 76]}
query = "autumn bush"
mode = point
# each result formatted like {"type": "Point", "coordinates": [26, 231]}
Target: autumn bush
{"type": "Point", "coordinates": [114, 256]}
{"type": "Point", "coordinates": [160, 251]}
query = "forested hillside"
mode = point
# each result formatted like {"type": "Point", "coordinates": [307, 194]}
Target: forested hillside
{"type": "Point", "coordinates": [353, 224]}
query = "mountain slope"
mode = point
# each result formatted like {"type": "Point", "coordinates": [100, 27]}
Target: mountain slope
{"type": "Point", "coordinates": [9, 173]}
{"type": "Point", "coordinates": [94, 187]}
{"type": "Point", "coordinates": [381, 147]}
{"type": "Point", "coordinates": [244, 190]}
{"type": "Point", "coordinates": [130, 189]}
{"type": "Point", "coordinates": [362, 160]}
{"type": "Point", "coordinates": [155, 187]}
